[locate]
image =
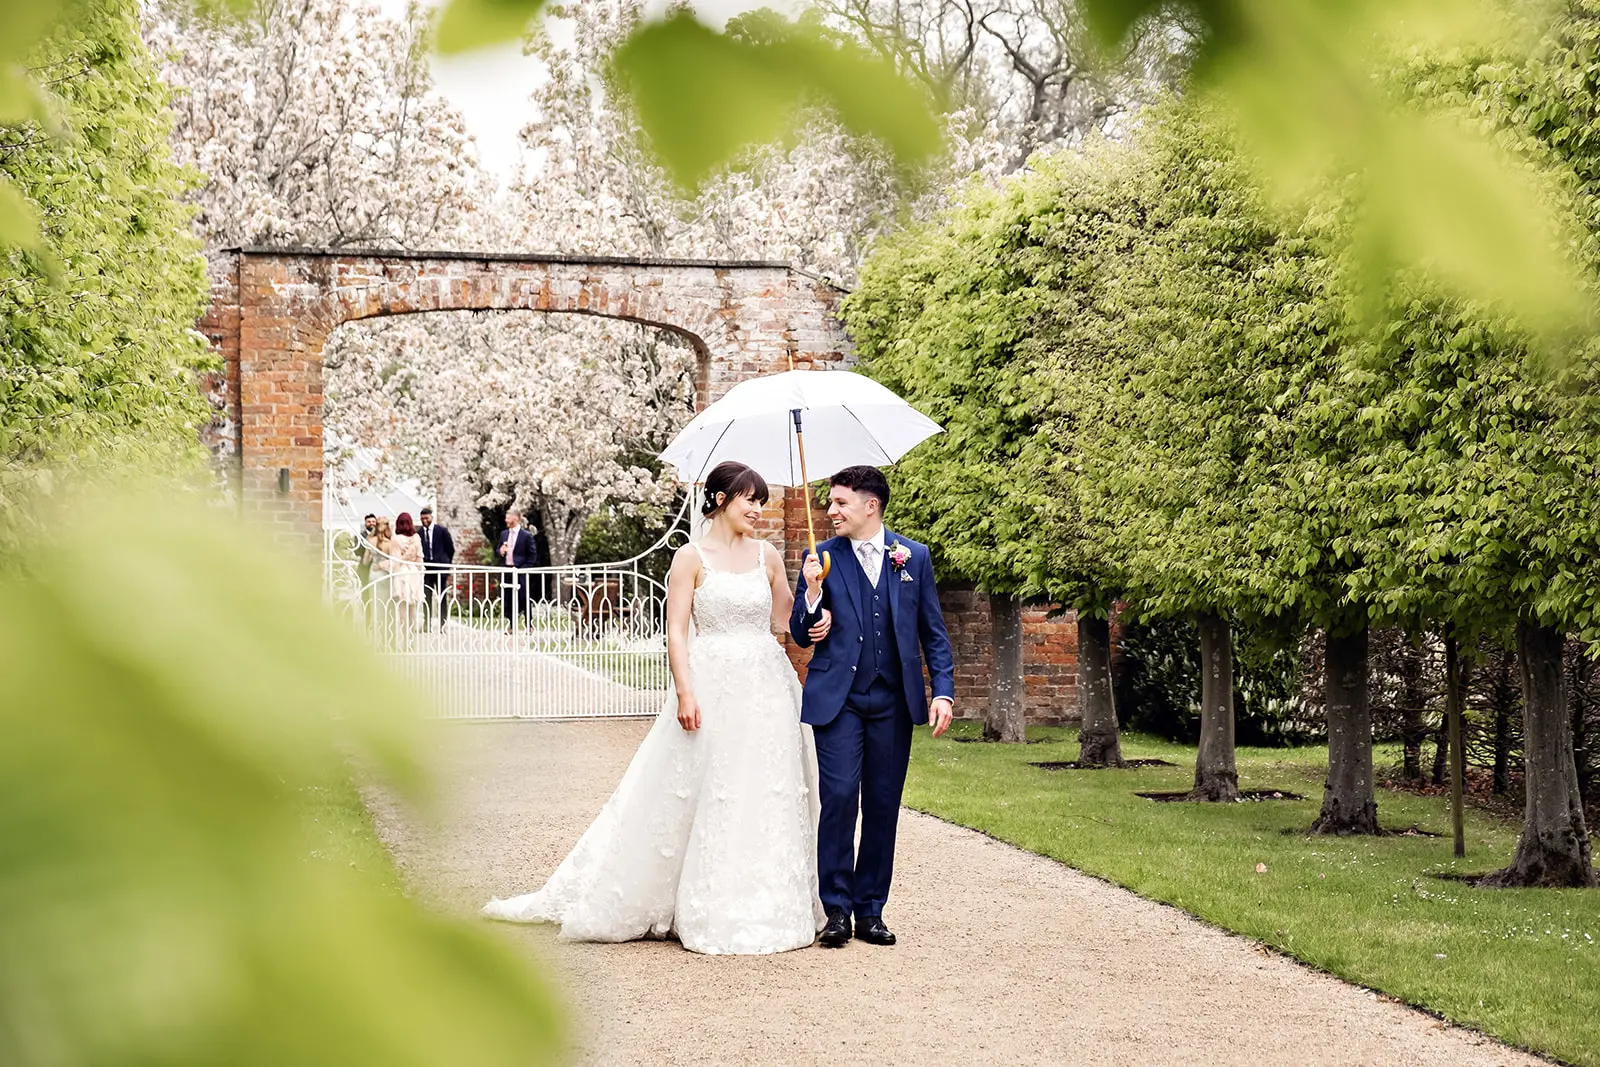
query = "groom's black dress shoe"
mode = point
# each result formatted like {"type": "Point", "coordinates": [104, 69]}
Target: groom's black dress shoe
{"type": "Point", "coordinates": [872, 931]}
{"type": "Point", "coordinates": [837, 933]}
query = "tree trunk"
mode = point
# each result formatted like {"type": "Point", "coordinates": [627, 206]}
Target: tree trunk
{"type": "Point", "coordinates": [1554, 849]}
{"type": "Point", "coordinates": [1577, 694]}
{"type": "Point", "coordinates": [1503, 695]}
{"type": "Point", "coordinates": [1216, 777]}
{"type": "Point", "coordinates": [1412, 728]}
{"type": "Point", "coordinates": [1005, 719]}
{"type": "Point", "coordinates": [1455, 687]}
{"type": "Point", "coordinates": [1099, 744]}
{"type": "Point", "coordinates": [1348, 803]}
{"type": "Point", "coordinates": [563, 528]}
{"type": "Point", "coordinates": [1441, 751]}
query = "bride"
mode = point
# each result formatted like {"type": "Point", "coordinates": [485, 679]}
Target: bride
{"type": "Point", "coordinates": [711, 835]}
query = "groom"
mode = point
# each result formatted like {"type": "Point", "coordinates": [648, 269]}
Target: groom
{"type": "Point", "coordinates": [864, 692]}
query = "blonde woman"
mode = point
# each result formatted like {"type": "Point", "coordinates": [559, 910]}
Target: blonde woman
{"type": "Point", "coordinates": [381, 551]}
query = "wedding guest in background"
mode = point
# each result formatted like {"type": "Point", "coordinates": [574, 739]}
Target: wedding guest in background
{"type": "Point", "coordinates": [381, 548]}
{"type": "Point", "coordinates": [438, 553]}
{"type": "Point", "coordinates": [517, 551]}
{"type": "Point", "coordinates": [406, 574]}
{"type": "Point", "coordinates": [364, 558]}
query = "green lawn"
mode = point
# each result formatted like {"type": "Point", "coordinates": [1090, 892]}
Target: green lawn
{"type": "Point", "coordinates": [1522, 965]}
{"type": "Point", "coordinates": [341, 832]}
{"type": "Point", "coordinates": [626, 668]}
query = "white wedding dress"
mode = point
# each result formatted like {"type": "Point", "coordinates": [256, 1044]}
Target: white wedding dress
{"type": "Point", "coordinates": [711, 835]}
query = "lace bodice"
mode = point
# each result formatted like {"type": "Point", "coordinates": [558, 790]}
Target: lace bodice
{"type": "Point", "coordinates": [733, 602]}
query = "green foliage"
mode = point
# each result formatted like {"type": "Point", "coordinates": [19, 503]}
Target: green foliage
{"type": "Point", "coordinates": [97, 346]}
{"type": "Point", "coordinates": [1517, 964]}
{"type": "Point", "coordinates": [1159, 691]}
{"type": "Point", "coordinates": [187, 880]}
{"type": "Point", "coordinates": [1453, 446]}
{"type": "Point", "coordinates": [946, 315]}
{"type": "Point", "coordinates": [703, 96]}
{"type": "Point", "coordinates": [466, 25]}
{"type": "Point", "coordinates": [613, 535]}
{"type": "Point", "coordinates": [1197, 315]}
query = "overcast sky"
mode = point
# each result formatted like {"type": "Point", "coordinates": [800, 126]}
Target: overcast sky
{"type": "Point", "coordinates": [491, 87]}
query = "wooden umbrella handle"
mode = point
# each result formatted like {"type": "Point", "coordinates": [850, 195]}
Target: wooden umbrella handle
{"type": "Point", "coordinates": [805, 487]}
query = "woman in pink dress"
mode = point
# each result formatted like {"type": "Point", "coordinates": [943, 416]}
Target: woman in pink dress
{"type": "Point", "coordinates": [405, 576]}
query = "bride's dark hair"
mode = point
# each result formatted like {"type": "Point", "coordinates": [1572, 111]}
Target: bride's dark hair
{"type": "Point", "coordinates": [734, 480]}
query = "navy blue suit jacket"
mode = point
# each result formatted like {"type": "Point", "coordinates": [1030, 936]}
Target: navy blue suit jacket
{"type": "Point", "coordinates": [918, 631]}
{"type": "Point", "coordinates": [524, 553]}
{"type": "Point", "coordinates": [444, 546]}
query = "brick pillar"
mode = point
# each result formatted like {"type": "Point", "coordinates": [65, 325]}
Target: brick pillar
{"type": "Point", "coordinates": [280, 404]}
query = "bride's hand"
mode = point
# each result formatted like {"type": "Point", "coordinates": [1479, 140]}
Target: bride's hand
{"type": "Point", "coordinates": [688, 713]}
{"type": "Point", "coordinates": [824, 624]}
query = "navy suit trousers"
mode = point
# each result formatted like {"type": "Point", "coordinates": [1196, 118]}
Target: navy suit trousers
{"type": "Point", "coordinates": [862, 757]}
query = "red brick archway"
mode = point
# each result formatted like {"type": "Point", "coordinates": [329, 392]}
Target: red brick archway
{"type": "Point", "coordinates": [273, 309]}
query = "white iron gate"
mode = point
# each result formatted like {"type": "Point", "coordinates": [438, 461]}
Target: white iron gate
{"type": "Point", "coordinates": [497, 643]}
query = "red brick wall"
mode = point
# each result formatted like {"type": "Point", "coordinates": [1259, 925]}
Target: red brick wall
{"type": "Point", "coordinates": [1049, 658]}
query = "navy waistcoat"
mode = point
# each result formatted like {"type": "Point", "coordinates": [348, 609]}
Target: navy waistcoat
{"type": "Point", "coordinates": [880, 656]}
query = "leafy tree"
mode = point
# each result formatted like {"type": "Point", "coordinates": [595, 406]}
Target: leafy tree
{"type": "Point", "coordinates": [97, 346]}
{"type": "Point", "coordinates": [1205, 309]}
{"type": "Point", "coordinates": [1306, 83]}
{"type": "Point", "coordinates": [1455, 451]}
{"type": "Point", "coordinates": [945, 315]}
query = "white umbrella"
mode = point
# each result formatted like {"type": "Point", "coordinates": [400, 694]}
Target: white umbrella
{"type": "Point", "coordinates": [848, 419]}
{"type": "Point", "coordinates": [764, 422]}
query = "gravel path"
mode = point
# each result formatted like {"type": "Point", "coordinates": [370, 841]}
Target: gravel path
{"type": "Point", "coordinates": [1004, 957]}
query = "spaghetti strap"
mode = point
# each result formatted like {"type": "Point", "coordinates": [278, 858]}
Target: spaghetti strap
{"type": "Point", "coordinates": [703, 561]}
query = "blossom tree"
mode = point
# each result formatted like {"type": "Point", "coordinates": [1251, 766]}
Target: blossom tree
{"type": "Point", "coordinates": [536, 412]}
{"type": "Point", "coordinates": [316, 124]}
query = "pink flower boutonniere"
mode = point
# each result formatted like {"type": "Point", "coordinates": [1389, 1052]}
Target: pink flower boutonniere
{"type": "Point", "coordinates": [899, 555]}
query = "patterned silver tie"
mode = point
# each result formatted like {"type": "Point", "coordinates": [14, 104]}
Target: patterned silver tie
{"type": "Point", "coordinates": [869, 561]}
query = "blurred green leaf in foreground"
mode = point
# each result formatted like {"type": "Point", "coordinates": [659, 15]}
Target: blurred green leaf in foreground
{"type": "Point", "coordinates": [172, 690]}
{"type": "Point", "coordinates": [702, 96]}
{"type": "Point", "coordinates": [1313, 86]}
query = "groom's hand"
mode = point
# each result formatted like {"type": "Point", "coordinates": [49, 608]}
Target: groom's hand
{"type": "Point", "coordinates": [940, 714]}
{"type": "Point", "coordinates": [824, 624]}
{"type": "Point", "coordinates": [812, 569]}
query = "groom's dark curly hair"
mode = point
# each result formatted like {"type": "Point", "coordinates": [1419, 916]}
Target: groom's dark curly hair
{"type": "Point", "coordinates": [865, 479]}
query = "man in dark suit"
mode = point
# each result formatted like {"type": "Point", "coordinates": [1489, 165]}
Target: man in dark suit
{"type": "Point", "coordinates": [864, 691]}
{"type": "Point", "coordinates": [519, 551]}
{"type": "Point", "coordinates": [438, 553]}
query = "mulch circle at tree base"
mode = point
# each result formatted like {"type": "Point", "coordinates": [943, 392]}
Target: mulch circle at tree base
{"type": "Point", "coordinates": [996, 741]}
{"type": "Point", "coordinates": [1074, 765]}
{"type": "Point", "coordinates": [1244, 795]}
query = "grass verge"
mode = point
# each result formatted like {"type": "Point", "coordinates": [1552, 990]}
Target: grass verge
{"type": "Point", "coordinates": [1522, 965]}
{"type": "Point", "coordinates": [625, 668]}
{"type": "Point", "coordinates": [341, 833]}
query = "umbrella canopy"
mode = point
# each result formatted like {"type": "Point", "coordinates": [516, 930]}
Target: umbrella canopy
{"type": "Point", "coordinates": [848, 420]}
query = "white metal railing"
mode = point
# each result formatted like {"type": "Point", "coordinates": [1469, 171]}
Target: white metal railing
{"type": "Point", "coordinates": [485, 642]}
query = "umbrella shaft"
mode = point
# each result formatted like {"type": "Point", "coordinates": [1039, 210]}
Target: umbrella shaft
{"type": "Point", "coordinates": [805, 482]}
